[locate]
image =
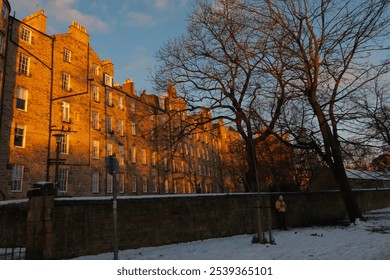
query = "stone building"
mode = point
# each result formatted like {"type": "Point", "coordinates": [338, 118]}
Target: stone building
{"type": "Point", "coordinates": [63, 115]}
{"type": "Point", "coordinates": [4, 22]}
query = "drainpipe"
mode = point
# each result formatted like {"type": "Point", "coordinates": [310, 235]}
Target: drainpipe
{"type": "Point", "coordinates": [9, 33]}
{"type": "Point", "coordinates": [50, 110]}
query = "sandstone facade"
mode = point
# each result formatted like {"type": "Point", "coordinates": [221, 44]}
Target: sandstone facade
{"type": "Point", "coordinates": [58, 85]}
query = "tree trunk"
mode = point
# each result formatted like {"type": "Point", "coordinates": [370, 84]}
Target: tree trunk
{"type": "Point", "coordinates": [251, 182]}
{"type": "Point", "coordinates": [333, 156]}
{"type": "Point", "coordinates": [342, 182]}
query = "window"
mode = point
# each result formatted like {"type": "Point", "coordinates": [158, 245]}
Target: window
{"type": "Point", "coordinates": [109, 149]}
{"type": "Point", "coordinates": [95, 182]}
{"type": "Point", "coordinates": [143, 153]}
{"type": "Point", "coordinates": [186, 149]}
{"type": "Point", "coordinates": [121, 155]}
{"type": "Point", "coordinates": [166, 186]}
{"type": "Point", "coordinates": [152, 135]}
{"type": "Point", "coordinates": [20, 135]}
{"type": "Point", "coordinates": [21, 99]}
{"type": "Point", "coordinates": [66, 81]}
{"type": "Point", "coordinates": [155, 184]}
{"type": "Point", "coordinates": [121, 183]}
{"type": "Point", "coordinates": [64, 145]}
{"type": "Point", "coordinates": [110, 181]}
{"type": "Point", "coordinates": [17, 178]}
{"type": "Point", "coordinates": [120, 103]}
{"type": "Point", "coordinates": [133, 154]}
{"type": "Point", "coordinates": [26, 35]}
{"type": "Point", "coordinates": [145, 184]}
{"type": "Point", "coordinates": [95, 149]}
{"type": "Point", "coordinates": [154, 158]}
{"type": "Point", "coordinates": [24, 64]}
{"type": "Point", "coordinates": [65, 112]}
{"type": "Point", "coordinates": [95, 69]}
{"type": "Point", "coordinates": [109, 98]}
{"type": "Point", "coordinates": [95, 120]}
{"type": "Point", "coordinates": [175, 186]}
{"type": "Point", "coordinates": [95, 93]}
{"type": "Point", "coordinates": [174, 165]}
{"type": "Point", "coordinates": [120, 128]}
{"type": "Point", "coordinates": [63, 175]}
{"type": "Point", "coordinates": [4, 11]}
{"type": "Point", "coordinates": [2, 43]}
{"type": "Point", "coordinates": [134, 183]}
{"type": "Point", "coordinates": [162, 101]}
{"type": "Point", "coordinates": [67, 55]}
{"type": "Point", "coordinates": [165, 164]}
{"type": "Point", "coordinates": [108, 80]}
{"type": "Point", "coordinates": [109, 124]}
{"type": "Point", "coordinates": [132, 106]}
{"type": "Point", "coordinates": [133, 129]}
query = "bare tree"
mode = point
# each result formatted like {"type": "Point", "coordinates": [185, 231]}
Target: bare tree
{"type": "Point", "coordinates": [324, 52]}
{"type": "Point", "coordinates": [376, 116]}
{"type": "Point", "coordinates": [217, 64]}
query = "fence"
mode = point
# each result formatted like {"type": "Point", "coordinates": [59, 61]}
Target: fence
{"type": "Point", "coordinates": [17, 253]}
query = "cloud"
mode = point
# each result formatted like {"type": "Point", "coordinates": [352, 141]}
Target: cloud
{"type": "Point", "coordinates": [141, 59]}
{"type": "Point", "coordinates": [167, 4]}
{"type": "Point", "coordinates": [140, 19]}
{"type": "Point", "coordinates": [161, 4]}
{"type": "Point", "coordinates": [62, 10]}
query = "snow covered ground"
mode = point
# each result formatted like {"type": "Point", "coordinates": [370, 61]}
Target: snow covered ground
{"type": "Point", "coordinates": [366, 240]}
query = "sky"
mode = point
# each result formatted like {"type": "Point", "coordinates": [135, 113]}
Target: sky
{"type": "Point", "coordinates": [129, 32]}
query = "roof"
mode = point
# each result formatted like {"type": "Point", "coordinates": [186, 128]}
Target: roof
{"type": "Point", "coordinates": [367, 175]}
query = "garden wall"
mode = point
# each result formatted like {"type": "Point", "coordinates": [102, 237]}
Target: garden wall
{"type": "Point", "coordinates": [84, 226]}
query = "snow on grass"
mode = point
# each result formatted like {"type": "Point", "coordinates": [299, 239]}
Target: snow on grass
{"type": "Point", "coordinates": [365, 240]}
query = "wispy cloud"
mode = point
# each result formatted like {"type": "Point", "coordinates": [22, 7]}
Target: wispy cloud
{"type": "Point", "coordinates": [140, 19]}
{"type": "Point", "coordinates": [62, 10]}
{"type": "Point", "coordinates": [167, 4]}
{"type": "Point", "coordinates": [141, 60]}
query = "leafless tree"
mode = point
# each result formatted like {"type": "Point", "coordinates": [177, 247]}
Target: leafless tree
{"type": "Point", "coordinates": [294, 63]}
{"type": "Point", "coordinates": [217, 64]}
{"type": "Point", "coordinates": [329, 51]}
{"type": "Point", "coordinates": [375, 111]}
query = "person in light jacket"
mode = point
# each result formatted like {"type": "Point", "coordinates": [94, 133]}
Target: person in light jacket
{"type": "Point", "coordinates": [281, 208]}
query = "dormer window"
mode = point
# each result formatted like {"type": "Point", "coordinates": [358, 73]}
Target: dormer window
{"type": "Point", "coordinates": [95, 69]}
{"type": "Point", "coordinates": [108, 80]}
{"type": "Point", "coordinates": [4, 11]}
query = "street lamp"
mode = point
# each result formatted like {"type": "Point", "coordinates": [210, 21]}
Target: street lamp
{"type": "Point", "coordinates": [59, 138]}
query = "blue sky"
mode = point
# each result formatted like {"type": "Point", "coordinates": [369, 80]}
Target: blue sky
{"type": "Point", "coordinates": [128, 32]}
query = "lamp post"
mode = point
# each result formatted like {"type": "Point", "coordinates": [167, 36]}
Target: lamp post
{"type": "Point", "coordinates": [112, 165]}
{"type": "Point", "coordinates": [58, 137]}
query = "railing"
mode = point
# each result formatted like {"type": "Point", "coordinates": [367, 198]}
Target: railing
{"type": "Point", "coordinates": [12, 244]}
{"type": "Point", "coordinates": [12, 253]}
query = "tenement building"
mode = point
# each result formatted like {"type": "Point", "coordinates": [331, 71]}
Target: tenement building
{"type": "Point", "coordinates": [62, 116]}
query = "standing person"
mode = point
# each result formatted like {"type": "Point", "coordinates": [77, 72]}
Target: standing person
{"type": "Point", "coordinates": [281, 207]}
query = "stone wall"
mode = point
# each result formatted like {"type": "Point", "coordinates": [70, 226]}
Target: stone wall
{"type": "Point", "coordinates": [84, 226]}
{"type": "Point", "coordinates": [13, 224]}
